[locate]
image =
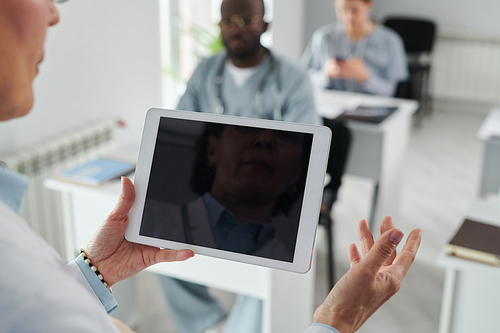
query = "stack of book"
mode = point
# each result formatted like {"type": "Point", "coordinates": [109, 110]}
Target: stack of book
{"type": "Point", "coordinates": [476, 241]}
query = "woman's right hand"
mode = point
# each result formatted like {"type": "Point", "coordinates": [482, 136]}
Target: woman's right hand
{"type": "Point", "coordinates": [332, 69]}
{"type": "Point", "coordinates": [352, 69]}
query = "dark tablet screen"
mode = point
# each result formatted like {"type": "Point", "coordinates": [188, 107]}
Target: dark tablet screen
{"type": "Point", "coordinates": [228, 187]}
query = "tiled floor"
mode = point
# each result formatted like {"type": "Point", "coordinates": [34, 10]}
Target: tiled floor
{"type": "Point", "coordinates": [441, 179]}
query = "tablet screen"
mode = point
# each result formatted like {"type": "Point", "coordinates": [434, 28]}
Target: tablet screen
{"type": "Point", "coordinates": [228, 187]}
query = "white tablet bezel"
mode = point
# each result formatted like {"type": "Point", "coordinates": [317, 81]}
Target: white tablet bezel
{"type": "Point", "coordinates": [311, 199]}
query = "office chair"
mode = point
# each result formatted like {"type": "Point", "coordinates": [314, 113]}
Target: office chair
{"type": "Point", "coordinates": [339, 149]}
{"type": "Point", "coordinates": [418, 36]}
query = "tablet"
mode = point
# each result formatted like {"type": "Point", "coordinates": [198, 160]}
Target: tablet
{"type": "Point", "coordinates": [236, 188]}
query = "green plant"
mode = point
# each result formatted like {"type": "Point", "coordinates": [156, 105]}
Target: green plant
{"type": "Point", "coordinates": [210, 44]}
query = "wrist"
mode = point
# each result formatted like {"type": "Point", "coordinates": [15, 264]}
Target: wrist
{"type": "Point", "coordinates": [364, 77]}
{"type": "Point", "coordinates": [94, 268]}
{"type": "Point", "coordinates": [333, 319]}
{"type": "Point", "coordinates": [96, 285]}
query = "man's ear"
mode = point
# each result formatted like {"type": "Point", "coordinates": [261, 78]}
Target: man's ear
{"type": "Point", "coordinates": [265, 26]}
{"type": "Point", "coordinates": [212, 145]}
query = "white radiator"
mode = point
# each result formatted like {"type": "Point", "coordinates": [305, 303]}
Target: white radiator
{"type": "Point", "coordinates": [467, 68]}
{"type": "Point", "coordinates": [41, 207]}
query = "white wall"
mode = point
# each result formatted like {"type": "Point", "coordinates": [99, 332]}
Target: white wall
{"type": "Point", "coordinates": [479, 16]}
{"type": "Point", "coordinates": [317, 14]}
{"type": "Point", "coordinates": [288, 28]}
{"type": "Point", "coordinates": [102, 60]}
{"type": "Point", "coordinates": [451, 15]}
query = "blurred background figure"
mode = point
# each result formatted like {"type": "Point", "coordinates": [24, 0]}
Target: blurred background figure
{"type": "Point", "coordinates": [356, 54]}
{"type": "Point", "coordinates": [247, 79]}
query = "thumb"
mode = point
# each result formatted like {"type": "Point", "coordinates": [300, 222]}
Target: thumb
{"type": "Point", "coordinates": [382, 250]}
{"type": "Point", "coordinates": [111, 232]}
{"type": "Point", "coordinates": [124, 204]}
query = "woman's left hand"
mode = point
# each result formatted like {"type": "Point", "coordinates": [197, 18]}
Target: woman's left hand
{"type": "Point", "coordinates": [373, 278]}
{"type": "Point", "coordinates": [353, 69]}
{"type": "Point", "coordinates": [114, 256]}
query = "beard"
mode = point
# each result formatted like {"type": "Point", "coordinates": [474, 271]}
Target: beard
{"type": "Point", "coordinates": [244, 53]}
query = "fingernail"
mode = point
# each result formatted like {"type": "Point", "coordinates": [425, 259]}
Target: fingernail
{"type": "Point", "coordinates": [395, 237]}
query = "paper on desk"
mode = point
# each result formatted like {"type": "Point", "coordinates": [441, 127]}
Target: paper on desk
{"type": "Point", "coordinates": [332, 105]}
{"type": "Point", "coordinates": [490, 127]}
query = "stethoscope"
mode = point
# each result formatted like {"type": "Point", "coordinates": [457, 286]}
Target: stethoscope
{"type": "Point", "coordinates": [259, 96]}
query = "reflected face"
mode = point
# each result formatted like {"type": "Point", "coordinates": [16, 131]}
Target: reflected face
{"type": "Point", "coordinates": [23, 26]}
{"type": "Point", "coordinates": [242, 24]}
{"type": "Point", "coordinates": [353, 14]}
{"type": "Point", "coordinates": [255, 164]}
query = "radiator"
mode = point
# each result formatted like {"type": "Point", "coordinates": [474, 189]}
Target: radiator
{"type": "Point", "coordinates": [41, 207]}
{"type": "Point", "coordinates": [466, 68]}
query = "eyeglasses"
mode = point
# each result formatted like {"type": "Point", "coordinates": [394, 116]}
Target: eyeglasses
{"type": "Point", "coordinates": [240, 22]}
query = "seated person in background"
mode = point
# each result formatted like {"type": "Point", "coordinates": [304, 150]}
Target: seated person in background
{"type": "Point", "coordinates": [41, 293]}
{"type": "Point", "coordinates": [245, 79]}
{"type": "Point", "coordinates": [356, 54]}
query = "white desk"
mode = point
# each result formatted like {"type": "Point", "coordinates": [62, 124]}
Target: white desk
{"type": "Point", "coordinates": [489, 133]}
{"type": "Point", "coordinates": [471, 295]}
{"type": "Point", "coordinates": [288, 298]}
{"type": "Point", "coordinates": [378, 151]}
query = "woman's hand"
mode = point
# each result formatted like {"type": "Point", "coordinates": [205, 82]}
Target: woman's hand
{"type": "Point", "coordinates": [114, 256]}
{"type": "Point", "coordinates": [352, 69]}
{"type": "Point", "coordinates": [371, 280]}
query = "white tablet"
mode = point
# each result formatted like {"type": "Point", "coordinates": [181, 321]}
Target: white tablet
{"type": "Point", "coordinates": [230, 187]}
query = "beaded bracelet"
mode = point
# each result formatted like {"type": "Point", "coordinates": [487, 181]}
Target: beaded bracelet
{"type": "Point", "coordinates": [94, 269]}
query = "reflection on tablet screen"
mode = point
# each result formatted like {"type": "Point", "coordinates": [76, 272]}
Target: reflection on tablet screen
{"type": "Point", "coordinates": [233, 188]}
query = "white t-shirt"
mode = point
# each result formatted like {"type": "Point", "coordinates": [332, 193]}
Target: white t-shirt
{"type": "Point", "coordinates": [241, 75]}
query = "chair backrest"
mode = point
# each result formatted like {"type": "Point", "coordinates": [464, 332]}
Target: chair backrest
{"type": "Point", "coordinates": [339, 149]}
{"type": "Point", "coordinates": [418, 34]}
{"type": "Point", "coordinates": [404, 89]}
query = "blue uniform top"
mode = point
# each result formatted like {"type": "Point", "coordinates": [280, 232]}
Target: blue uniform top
{"type": "Point", "coordinates": [382, 51]}
{"type": "Point", "coordinates": [297, 100]}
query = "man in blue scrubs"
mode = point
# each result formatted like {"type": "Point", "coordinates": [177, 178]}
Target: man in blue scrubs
{"type": "Point", "coordinates": [245, 79]}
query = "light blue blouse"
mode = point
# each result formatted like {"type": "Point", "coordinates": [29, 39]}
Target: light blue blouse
{"type": "Point", "coordinates": [12, 189]}
{"type": "Point", "coordinates": [382, 51]}
{"type": "Point", "coordinates": [320, 328]}
{"type": "Point", "coordinates": [39, 291]}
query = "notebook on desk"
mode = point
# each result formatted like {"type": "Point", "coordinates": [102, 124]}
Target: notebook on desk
{"type": "Point", "coordinates": [476, 241]}
{"type": "Point", "coordinates": [97, 171]}
{"type": "Point", "coordinates": [371, 114]}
